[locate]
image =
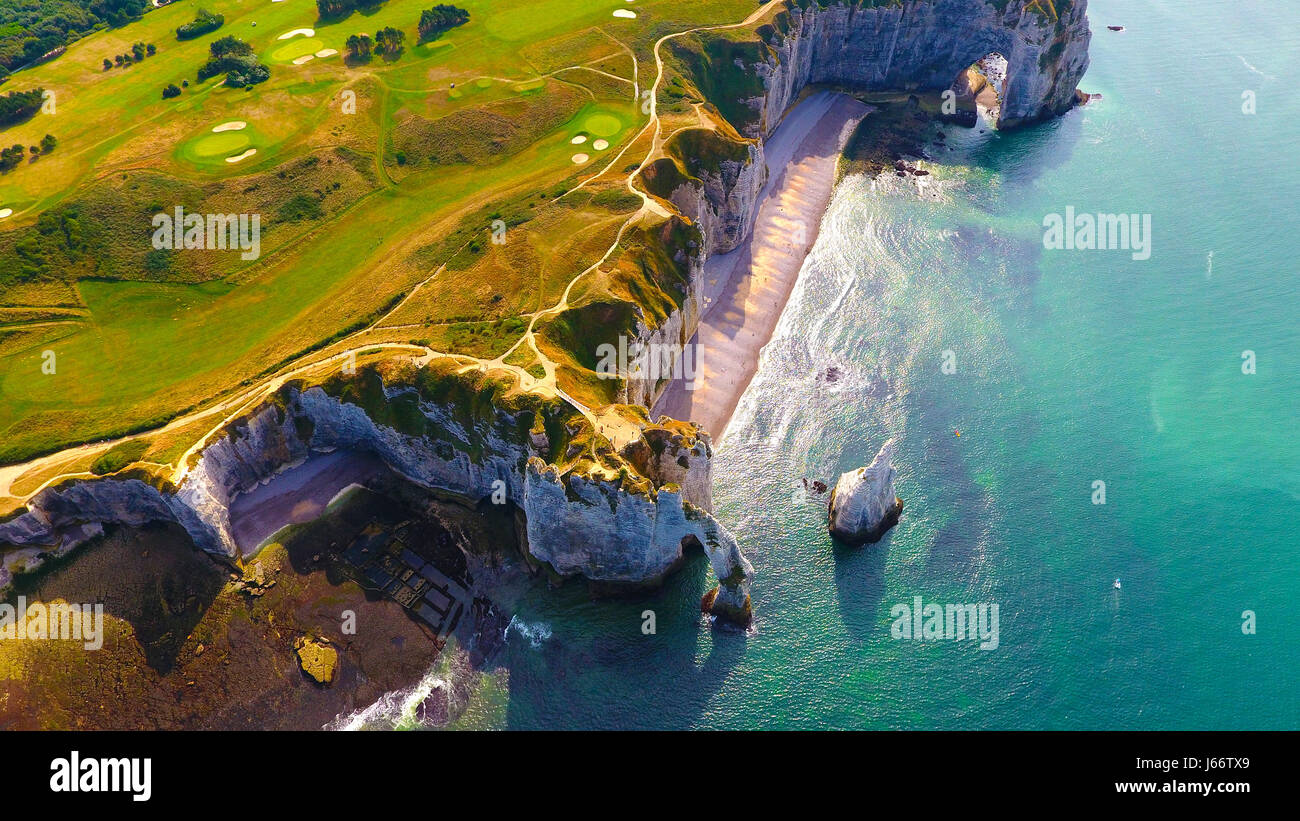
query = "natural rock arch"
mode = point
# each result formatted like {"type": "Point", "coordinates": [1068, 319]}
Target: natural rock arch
{"type": "Point", "coordinates": [921, 45]}
{"type": "Point", "coordinates": [982, 84]}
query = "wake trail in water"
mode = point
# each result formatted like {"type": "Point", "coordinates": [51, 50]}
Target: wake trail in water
{"type": "Point", "coordinates": [1254, 70]}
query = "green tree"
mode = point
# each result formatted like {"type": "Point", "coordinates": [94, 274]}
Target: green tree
{"type": "Point", "coordinates": [19, 105]}
{"type": "Point", "coordinates": [358, 46]}
{"type": "Point", "coordinates": [388, 40]}
{"type": "Point", "coordinates": [440, 18]}
{"type": "Point", "coordinates": [30, 29]}
{"type": "Point", "coordinates": [204, 21]}
{"type": "Point", "coordinates": [10, 157]}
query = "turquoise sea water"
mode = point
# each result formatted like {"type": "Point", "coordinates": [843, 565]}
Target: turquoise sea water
{"type": "Point", "coordinates": [1072, 366]}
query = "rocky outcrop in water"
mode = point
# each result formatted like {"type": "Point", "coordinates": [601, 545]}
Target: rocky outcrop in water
{"type": "Point", "coordinates": [863, 503]}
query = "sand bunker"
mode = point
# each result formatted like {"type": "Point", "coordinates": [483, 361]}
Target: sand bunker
{"type": "Point", "coordinates": [296, 32]}
{"type": "Point", "coordinates": [600, 145]}
{"type": "Point", "coordinates": [579, 140]}
{"type": "Point", "coordinates": [580, 158]}
{"type": "Point", "coordinates": [630, 15]}
{"type": "Point", "coordinates": [306, 58]}
{"type": "Point", "coordinates": [250, 152]}
{"type": "Point", "coordinates": [6, 212]}
{"type": "Point", "coordinates": [233, 125]}
{"type": "Point", "coordinates": [327, 52]}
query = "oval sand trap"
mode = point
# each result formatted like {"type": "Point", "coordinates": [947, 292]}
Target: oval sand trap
{"type": "Point", "coordinates": [233, 125]}
{"type": "Point", "coordinates": [250, 152]}
{"type": "Point", "coordinates": [306, 58]}
{"type": "Point", "coordinates": [580, 158]}
{"type": "Point", "coordinates": [327, 52]}
{"type": "Point", "coordinates": [600, 145]}
{"type": "Point", "coordinates": [296, 32]}
{"type": "Point", "coordinates": [579, 140]}
{"type": "Point", "coordinates": [6, 212]}
{"type": "Point", "coordinates": [624, 13]}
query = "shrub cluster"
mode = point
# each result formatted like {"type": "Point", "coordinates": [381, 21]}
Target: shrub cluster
{"type": "Point", "coordinates": [138, 52]}
{"type": "Point", "coordinates": [234, 58]}
{"type": "Point", "coordinates": [332, 9]}
{"type": "Point", "coordinates": [440, 18]}
{"type": "Point", "coordinates": [203, 22]}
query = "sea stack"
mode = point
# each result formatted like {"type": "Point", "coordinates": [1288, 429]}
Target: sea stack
{"type": "Point", "coordinates": [863, 504]}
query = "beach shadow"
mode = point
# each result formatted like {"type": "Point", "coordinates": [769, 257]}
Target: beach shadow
{"type": "Point", "coordinates": [767, 231]}
{"type": "Point", "coordinates": [152, 577]}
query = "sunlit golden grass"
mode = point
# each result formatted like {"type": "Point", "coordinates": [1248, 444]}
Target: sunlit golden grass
{"type": "Point", "coordinates": [152, 341]}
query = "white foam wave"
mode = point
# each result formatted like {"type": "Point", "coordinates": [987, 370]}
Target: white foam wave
{"type": "Point", "coordinates": [535, 634]}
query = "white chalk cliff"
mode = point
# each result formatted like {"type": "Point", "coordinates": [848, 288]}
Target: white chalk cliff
{"type": "Point", "coordinates": [590, 525]}
{"type": "Point", "coordinates": [922, 45]}
{"type": "Point", "coordinates": [863, 503]}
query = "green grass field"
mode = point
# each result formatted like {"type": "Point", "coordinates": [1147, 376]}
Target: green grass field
{"type": "Point", "coordinates": [369, 179]}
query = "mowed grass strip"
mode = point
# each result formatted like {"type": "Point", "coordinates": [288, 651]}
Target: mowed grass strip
{"type": "Point", "coordinates": [220, 145]}
{"type": "Point", "coordinates": [297, 47]}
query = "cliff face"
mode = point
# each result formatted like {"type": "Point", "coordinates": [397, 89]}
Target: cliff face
{"type": "Point", "coordinates": [582, 522]}
{"type": "Point", "coordinates": [721, 200]}
{"type": "Point", "coordinates": [670, 335]}
{"type": "Point", "coordinates": [922, 45]}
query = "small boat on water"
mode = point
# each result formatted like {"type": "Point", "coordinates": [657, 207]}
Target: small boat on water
{"type": "Point", "coordinates": [1117, 585]}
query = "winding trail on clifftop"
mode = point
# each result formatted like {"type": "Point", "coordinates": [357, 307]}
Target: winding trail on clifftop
{"type": "Point", "coordinates": [617, 428]}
